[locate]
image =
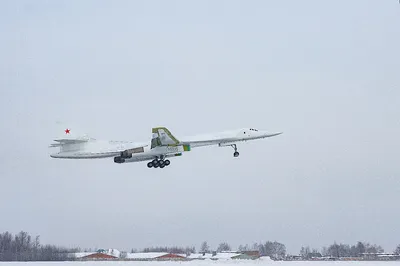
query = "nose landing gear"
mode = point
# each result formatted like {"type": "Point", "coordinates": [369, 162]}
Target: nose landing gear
{"type": "Point", "coordinates": [236, 153]}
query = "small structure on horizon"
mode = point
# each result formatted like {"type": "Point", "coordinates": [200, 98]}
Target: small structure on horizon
{"type": "Point", "coordinates": [113, 254]}
{"type": "Point", "coordinates": [225, 255]}
{"type": "Point", "coordinates": [101, 254]}
{"type": "Point", "coordinates": [146, 256]}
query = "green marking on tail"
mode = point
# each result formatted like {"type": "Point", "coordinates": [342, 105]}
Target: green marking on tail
{"type": "Point", "coordinates": [163, 137]}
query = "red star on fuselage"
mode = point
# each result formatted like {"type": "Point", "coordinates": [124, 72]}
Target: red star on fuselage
{"type": "Point", "coordinates": [67, 131]}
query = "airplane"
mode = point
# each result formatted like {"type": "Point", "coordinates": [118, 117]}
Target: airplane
{"type": "Point", "coordinates": [163, 145]}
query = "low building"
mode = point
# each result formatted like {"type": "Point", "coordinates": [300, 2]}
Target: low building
{"type": "Point", "coordinates": [101, 254]}
{"type": "Point", "coordinates": [97, 256]}
{"type": "Point", "coordinates": [293, 257]}
{"type": "Point", "coordinates": [389, 256]}
{"type": "Point", "coordinates": [225, 255]}
{"type": "Point", "coordinates": [252, 253]}
{"type": "Point", "coordinates": [249, 255]}
{"type": "Point", "coordinates": [148, 256]}
{"type": "Point", "coordinates": [200, 256]}
{"type": "Point", "coordinates": [380, 256]}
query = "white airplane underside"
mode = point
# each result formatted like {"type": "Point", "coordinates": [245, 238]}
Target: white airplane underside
{"type": "Point", "coordinates": [162, 146]}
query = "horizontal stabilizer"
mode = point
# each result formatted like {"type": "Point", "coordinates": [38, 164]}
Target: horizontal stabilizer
{"type": "Point", "coordinates": [55, 145]}
{"type": "Point", "coordinates": [70, 141]}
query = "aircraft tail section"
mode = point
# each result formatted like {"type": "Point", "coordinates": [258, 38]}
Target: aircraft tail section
{"type": "Point", "coordinates": [69, 140]}
{"type": "Point", "coordinates": [163, 137]}
{"type": "Point", "coordinates": [67, 145]}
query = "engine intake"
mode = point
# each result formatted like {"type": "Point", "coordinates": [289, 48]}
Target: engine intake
{"type": "Point", "coordinates": [119, 159]}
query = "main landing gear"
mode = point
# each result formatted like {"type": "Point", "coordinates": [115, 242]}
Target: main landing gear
{"type": "Point", "coordinates": [236, 153]}
{"type": "Point", "coordinates": [158, 163]}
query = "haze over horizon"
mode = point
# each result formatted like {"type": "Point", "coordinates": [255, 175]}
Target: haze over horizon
{"type": "Point", "coordinates": [323, 73]}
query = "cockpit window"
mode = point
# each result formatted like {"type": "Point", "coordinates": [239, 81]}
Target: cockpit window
{"type": "Point", "coordinates": [253, 129]}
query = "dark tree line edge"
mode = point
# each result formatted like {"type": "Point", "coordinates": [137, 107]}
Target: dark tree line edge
{"type": "Point", "coordinates": [22, 247]}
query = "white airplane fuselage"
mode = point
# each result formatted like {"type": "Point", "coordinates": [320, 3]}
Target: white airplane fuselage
{"type": "Point", "coordinates": [168, 145]}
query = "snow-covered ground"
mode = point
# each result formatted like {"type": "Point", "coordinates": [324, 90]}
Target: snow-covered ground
{"type": "Point", "coordinates": [207, 263]}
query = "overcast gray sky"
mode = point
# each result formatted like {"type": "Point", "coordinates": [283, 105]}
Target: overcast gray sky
{"type": "Point", "coordinates": [326, 73]}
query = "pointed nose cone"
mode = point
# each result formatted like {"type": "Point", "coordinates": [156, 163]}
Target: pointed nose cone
{"type": "Point", "coordinates": [276, 134]}
{"type": "Point", "coordinates": [266, 134]}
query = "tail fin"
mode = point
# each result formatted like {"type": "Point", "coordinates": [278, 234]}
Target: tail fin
{"type": "Point", "coordinates": [163, 137]}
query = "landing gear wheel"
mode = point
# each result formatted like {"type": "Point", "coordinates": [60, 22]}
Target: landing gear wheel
{"type": "Point", "coordinates": [162, 165]}
{"type": "Point", "coordinates": [167, 162]}
{"type": "Point", "coordinates": [150, 164]}
{"type": "Point", "coordinates": [156, 165]}
{"type": "Point", "coordinates": [236, 153]}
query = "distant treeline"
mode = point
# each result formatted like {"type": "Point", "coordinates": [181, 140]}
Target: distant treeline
{"type": "Point", "coordinates": [344, 250]}
{"type": "Point", "coordinates": [273, 249]}
{"type": "Point", "coordinates": [174, 250]}
{"type": "Point", "coordinates": [277, 250]}
{"type": "Point", "coordinates": [22, 247]}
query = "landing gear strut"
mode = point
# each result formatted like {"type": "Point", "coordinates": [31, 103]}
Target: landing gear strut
{"type": "Point", "coordinates": [236, 153]}
{"type": "Point", "coordinates": [158, 163]}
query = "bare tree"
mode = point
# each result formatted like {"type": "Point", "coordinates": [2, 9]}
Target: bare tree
{"type": "Point", "coordinates": [373, 248]}
{"type": "Point", "coordinates": [21, 248]}
{"type": "Point", "coordinates": [324, 251]}
{"type": "Point", "coordinates": [359, 249]}
{"type": "Point", "coordinates": [255, 247]}
{"type": "Point", "coordinates": [175, 250]}
{"type": "Point", "coordinates": [244, 248]}
{"type": "Point", "coordinates": [274, 249]}
{"type": "Point", "coordinates": [190, 250]}
{"type": "Point", "coordinates": [333, 250]}
{"type": "Point", "coordinates": [304, 251]}
{"type": "Point", "coordinates": [397, 250]}
{"type": "Point", "coordinates": [204, 247]}
{"type": "Point", "coordinates": [223, 247]}
{"type": "Point", "coordinates": [344, 250]}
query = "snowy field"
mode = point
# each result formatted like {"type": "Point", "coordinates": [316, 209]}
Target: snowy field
{"type": "Point", "coordinates": [209, 263]}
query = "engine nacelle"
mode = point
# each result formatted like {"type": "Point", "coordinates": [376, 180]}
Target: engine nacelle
{"type": "Point", "coordinates": [118, 159]}
{"type": "Point", "coordinates": [126, 154]}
